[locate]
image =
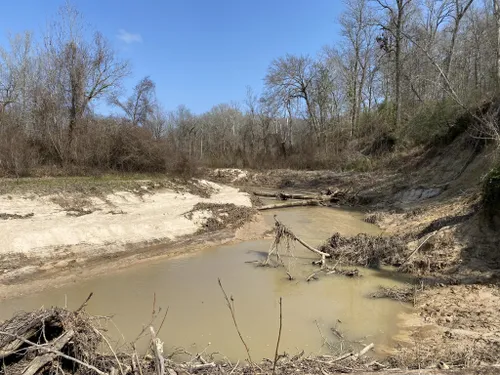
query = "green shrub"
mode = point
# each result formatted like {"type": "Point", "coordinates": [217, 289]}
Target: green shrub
{"type": "Point", "coordinates": [435, 121]}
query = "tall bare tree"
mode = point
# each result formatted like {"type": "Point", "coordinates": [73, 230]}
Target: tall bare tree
{"type": "Point", "coordinates": [140, 105]}
{"type": "Point", "coordinates": [87, 69]}
{"type": "Point", "coordinates": [290, 79]}
{"type": "Point", "coordinates": [397, 17]}
{"type": "Point", "coordinates": [459, 10]}
{"type": "Point", "coordinates": [496, 4]}
{"type": "Point", "coordinates": [357, 26]}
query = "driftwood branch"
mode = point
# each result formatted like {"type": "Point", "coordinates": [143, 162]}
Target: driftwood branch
{"type": "Point", "coordinates": [157, 347]}
{"type": "Point", "coordinates": [43, 360]}
{"type": "Point", "coordinates": [354, 355]}
{"type": "Point", "coordinates": [417, 249]}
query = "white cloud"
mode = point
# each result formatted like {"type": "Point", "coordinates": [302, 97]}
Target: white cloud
{"type": "Point", "coordinates": [129, 38]}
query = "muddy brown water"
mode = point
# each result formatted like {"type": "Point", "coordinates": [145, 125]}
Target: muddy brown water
{"type": "Point", "coordinates": [198, 318]}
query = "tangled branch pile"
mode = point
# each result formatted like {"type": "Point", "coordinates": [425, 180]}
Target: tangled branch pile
{"type": "Point", "coordinates": [58, 341]}
{"type": "Point", "coordinates": [222, 215]}
{"type": "Point", "coordinates": [365, 250]}
{"type": "Point", "coordinates": [49, 342]}
{"type": "Point", "coordinates": [401, 294]}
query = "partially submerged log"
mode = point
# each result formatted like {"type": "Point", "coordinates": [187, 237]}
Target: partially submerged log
{"type": "Point", "coordinates": [289, 204]}
{"type": "Point", "coordinates": [285, 196]}
{"type": "Point", "coordinates": [309, 199]}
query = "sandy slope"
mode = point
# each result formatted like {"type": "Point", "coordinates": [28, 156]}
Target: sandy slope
{"type": "Point", "coordinates": [117, 219]}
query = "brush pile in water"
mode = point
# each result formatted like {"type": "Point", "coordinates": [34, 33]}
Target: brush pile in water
{"type": "Point", "coordinates": [60, 342]}
{"type": "Point", "coordinates": [365, 250]}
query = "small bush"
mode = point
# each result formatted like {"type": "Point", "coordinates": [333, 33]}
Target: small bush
{"type": "Point", "coordinates": [442, 121]}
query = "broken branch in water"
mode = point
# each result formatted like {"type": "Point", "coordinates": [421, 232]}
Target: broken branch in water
{"type": "Point", "coordinates": [84, 304]}
{"type": "Point", "coordinates": [231, 309]}
{"type": "Point", "coordinates": [157, 347]}
{"type": "Point", "coordinates": [354, 355]}
{"type": "Point", "coordinates": [281, 231]}
{"type": "Point", "coordinates": [279, 336]}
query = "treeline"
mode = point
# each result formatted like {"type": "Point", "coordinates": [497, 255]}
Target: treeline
{"type": "Point", "coordinates": [400, 74]}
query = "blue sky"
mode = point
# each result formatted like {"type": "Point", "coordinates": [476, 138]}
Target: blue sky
{"type": "Point", "coordinates": [199, 52]}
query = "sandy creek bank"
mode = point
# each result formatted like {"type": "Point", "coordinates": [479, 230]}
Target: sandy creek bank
{"type": "Point", "coordinates": [53, 238]}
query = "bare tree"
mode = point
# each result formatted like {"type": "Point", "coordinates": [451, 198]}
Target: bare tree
{"type": "Point", "coordinates": [16, 68]}
{"type": "Point", "coordinates": [460, 8]}
{"type": "Point", "coordinates": [139, 106]}
{"type": "Point", "coordinates": [157, 121]}
{"type": "Point", "coordinates": [290, 79]}
{"type": "Point", "coordinates": [497, 19]}
{"type": "Point", "coordinates": [357, 28]}
{"type": "Point", "coordinates": [86, 69]}
{"type": "Point", "coordinates": [397, 18]}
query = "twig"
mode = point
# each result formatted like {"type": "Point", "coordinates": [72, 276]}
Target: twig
{"type": "Point", "coordinates": [59, 353]}
{"type": "Point", "coordinates": [279, 336]}
{"type": "Point", "coordinates": [325, 340]}
{"type": "Point", "coordinates": [163, 320]}
{"type": "Point", "coordinates": [417, 249]}
{"type": "Point", "coordinates": [154, 305]}
{"type": "Point", "coordinates": [312, 276]}
{"type": "Point", "coordinates": [110, 348]}
{"type": "Point", "coordinates": [85, 302]}
{"type": "Point", "coordinates": [231, 309]}
{"type": "Point", "coordinates": [235, 367]}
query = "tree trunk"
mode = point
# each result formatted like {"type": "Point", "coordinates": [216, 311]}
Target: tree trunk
{"type": "Point", "coordinates": [398, 62]}
{"type": "Point", "coordinates": [497, 18]}
{"type": "Point", "coordinates": [354, 109]}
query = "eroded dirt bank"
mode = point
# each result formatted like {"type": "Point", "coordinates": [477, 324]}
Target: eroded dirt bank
{"type": "Point", "coordinates": [55, 236]}
{"type": "Point", "coordinates": [429, 203]}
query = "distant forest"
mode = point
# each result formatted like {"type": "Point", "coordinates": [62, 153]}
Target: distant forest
{"type": "Point", "coordinates": [403, 74]}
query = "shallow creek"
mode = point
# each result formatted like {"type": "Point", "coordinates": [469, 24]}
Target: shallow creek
{"type": "Point", "coordinates": [198, 317]}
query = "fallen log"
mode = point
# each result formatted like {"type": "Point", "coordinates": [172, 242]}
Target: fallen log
{"type": "Point", "coordinates": [285, 196]}
{"type": "Point", "coordinates": [353, 355]}
{"type": "Point", "coordinates": [289, 204]}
